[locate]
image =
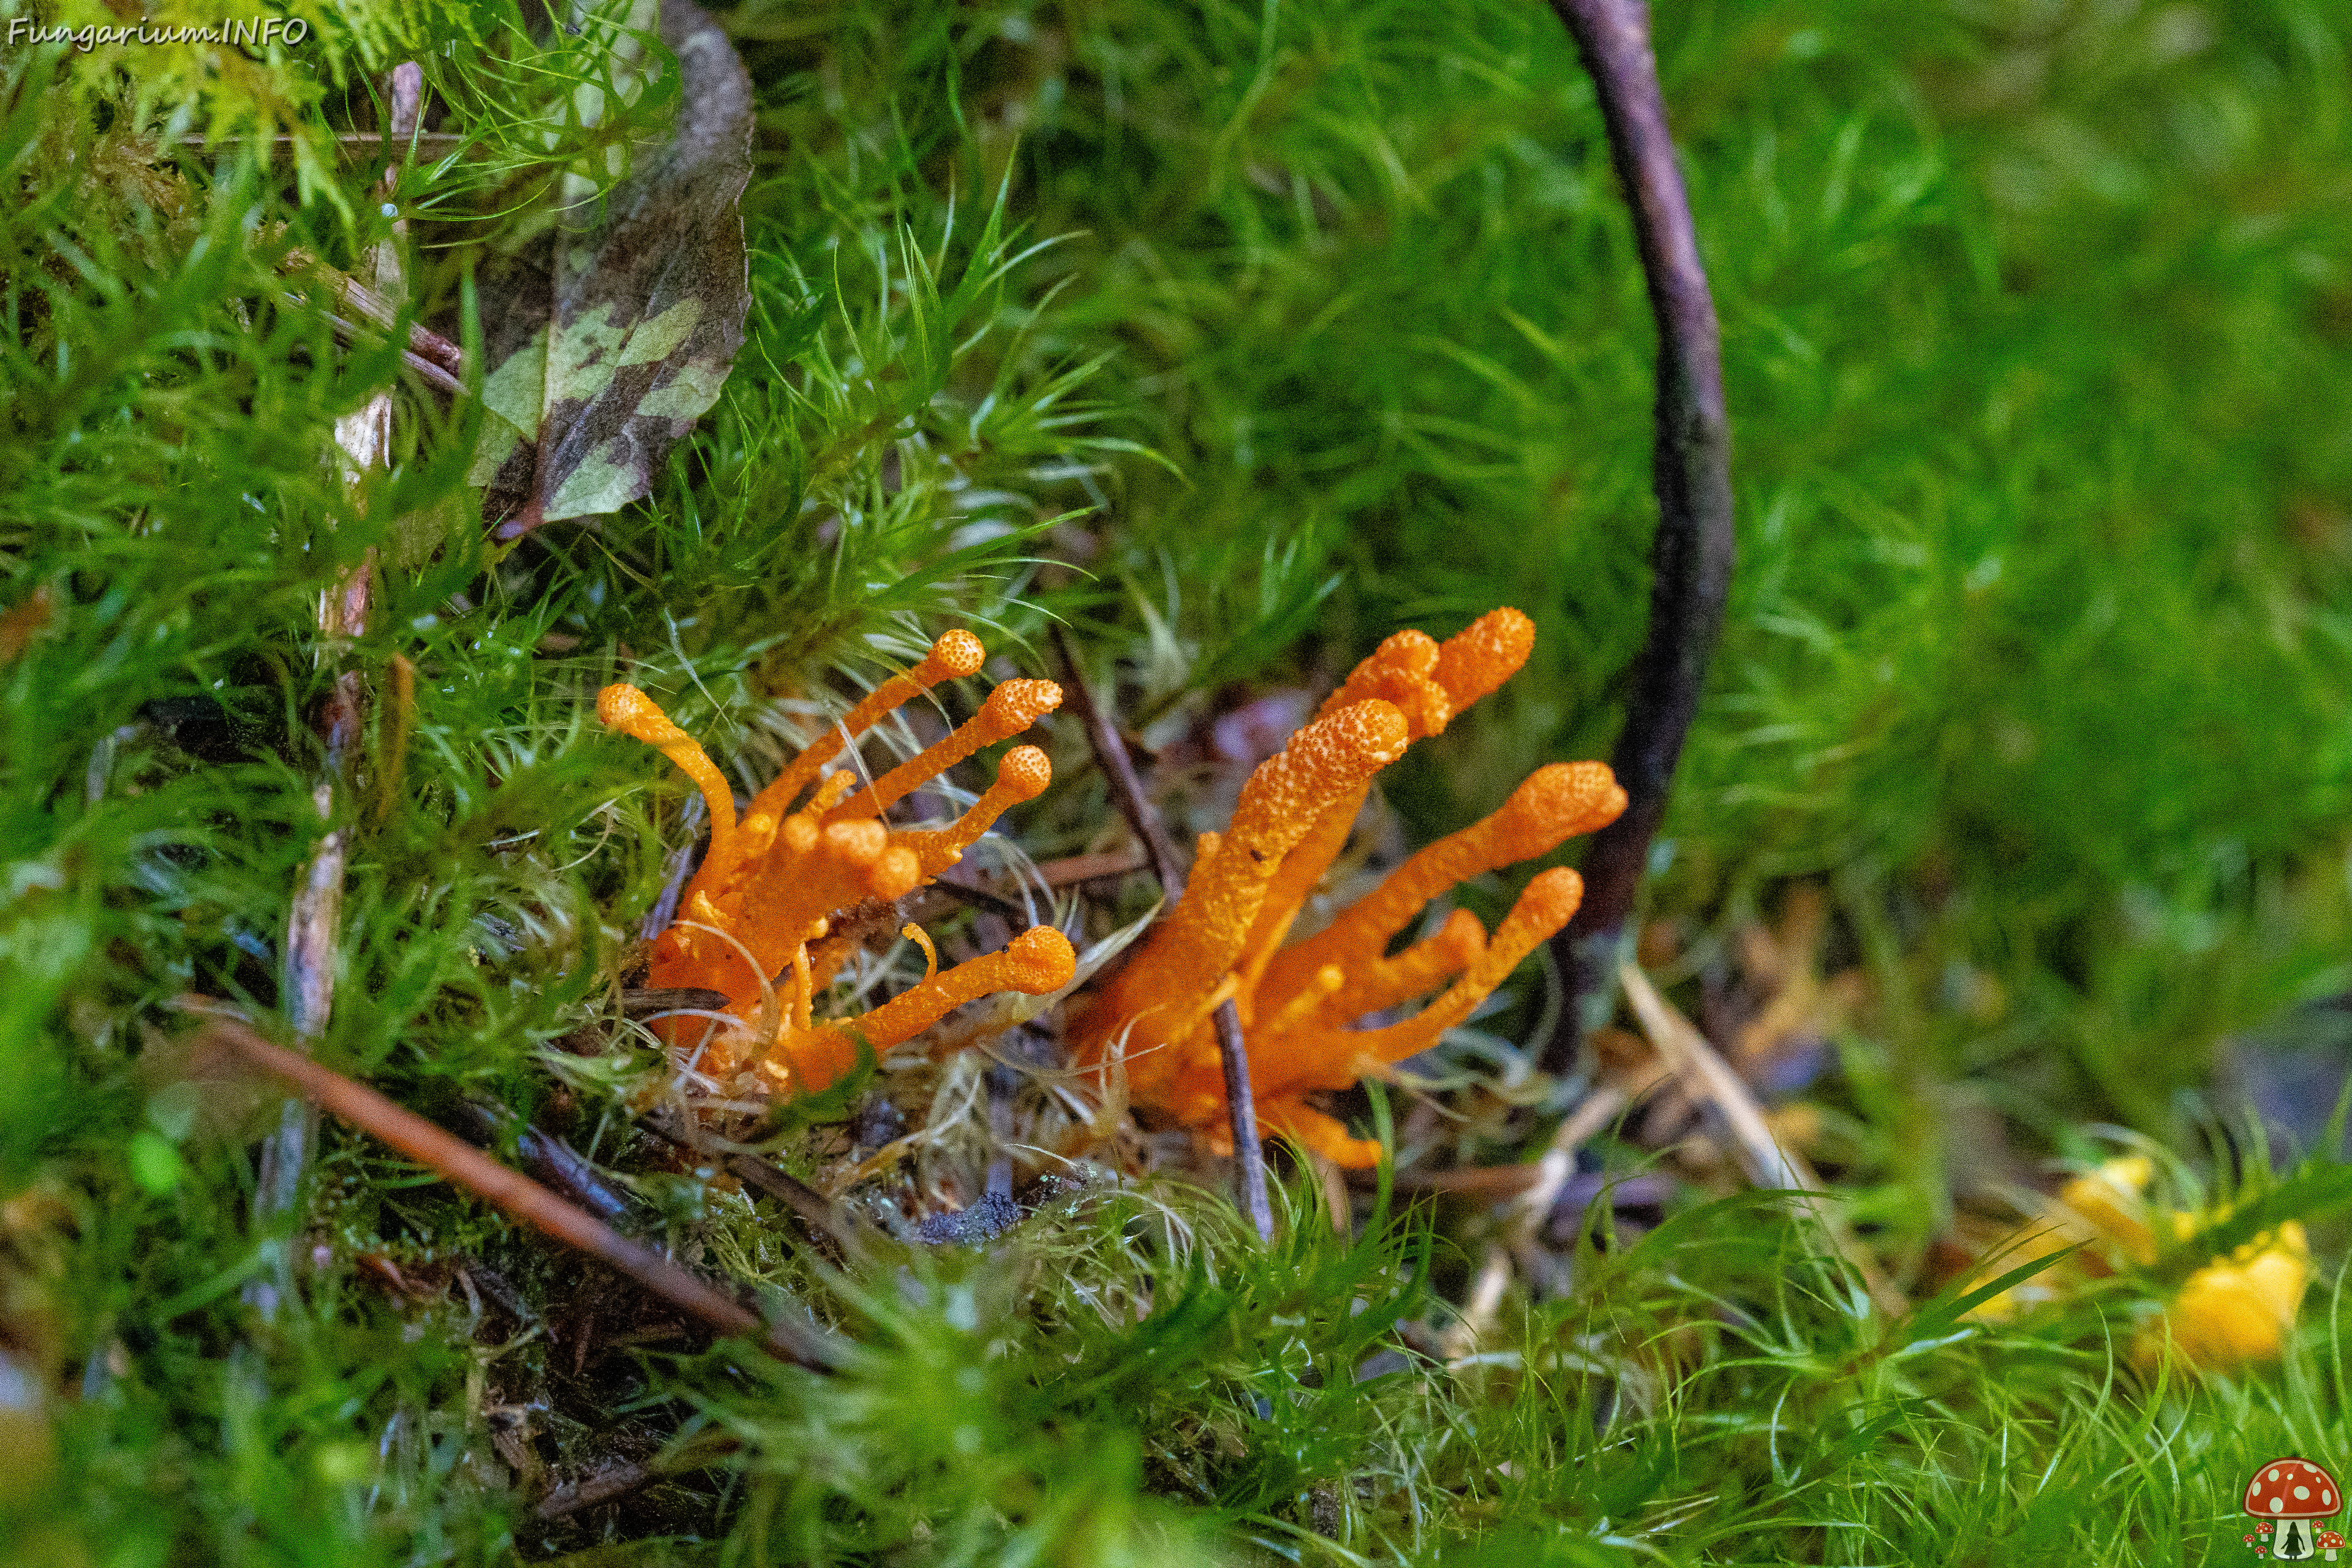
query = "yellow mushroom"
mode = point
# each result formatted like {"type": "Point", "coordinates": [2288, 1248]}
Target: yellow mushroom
{"type": "Point", "coordinates": [2236, 1310]}
{"type": "Point", "coordinates": [2229, 1312]}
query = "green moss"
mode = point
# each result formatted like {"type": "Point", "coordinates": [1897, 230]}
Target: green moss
{"type": "Point", "coordinates": [1288, 325]}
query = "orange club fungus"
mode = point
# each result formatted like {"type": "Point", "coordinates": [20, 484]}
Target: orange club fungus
{"type": "Point", "coordinates": [753, 920]}
{"type": "Point", "coordinates": [1224, 939]}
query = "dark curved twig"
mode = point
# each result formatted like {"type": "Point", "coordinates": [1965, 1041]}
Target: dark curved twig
{"type": "Point", "coordinates": [1691, 472]}
{"type": "Point", "coordinates": [545, 1156]}
{"type": "Point", "coordinates": [1127, 793]}
{"type": "Point", "coordinates": [1241, 1109]}
{"type": "Point", "coordinates": [816, 1211]}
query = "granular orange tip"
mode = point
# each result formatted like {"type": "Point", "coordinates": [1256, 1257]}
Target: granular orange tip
{"type": "Point", "coordinates": [1556, 803]}
{"type": "Point", "coordinates": [1399, 673]}
{"type": "Point", "coordinates": [1015, 705]}
{"type": "Point", "coordinates": [955, 655]}
{"type": "Point", "coordinates": [1484, 654]}
{"type": "Point", "coordinates": [1042, 961]}
{"type": "Point", "coordinates": [1024, 772]}
{"type": "Point", "coordinates": [623, 707]}
{"type": "Point", "coordinates": [1022, 775]}
{"type": "Point", "coordinates": [1547, 905]}
{"type": "Point", "coordinates": [1358, 740]}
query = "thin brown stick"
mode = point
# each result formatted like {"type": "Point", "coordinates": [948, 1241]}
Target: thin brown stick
{"type": "Point", "coordinates": [1691, 558]}
{"type": "Point", "coordinates": [818, 1212]}
{"type": "Point", "coordinates": [1708, 1080]}
{"type": "Point", "coordinates": [370, 306]}
{"type": "Point", "coordinates": [426, 371]}
{"type": "Point", "coordinates": [1073, 869]}
{"type": "Point", "coordinates": [612, 1481]}
{"type": "Point", "coordinates": [510, 1191]}
{"type": "Point", "coordinates": [1128, 792]}
{"type": "Point", "coordinates": [545, 1156]}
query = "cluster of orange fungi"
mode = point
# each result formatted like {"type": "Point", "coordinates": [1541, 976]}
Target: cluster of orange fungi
{"type": "Point", "coordinates": [1224, 939]}
{"type": "Point", "coordinates": [759, 905]}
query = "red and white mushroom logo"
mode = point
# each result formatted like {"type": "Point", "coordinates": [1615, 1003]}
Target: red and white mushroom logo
{"type": "Point", "coordinates": [2291, 1493]}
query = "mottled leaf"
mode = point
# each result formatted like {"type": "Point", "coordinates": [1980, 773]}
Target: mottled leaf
{"type": "Point", "coordinates": [608, 337]}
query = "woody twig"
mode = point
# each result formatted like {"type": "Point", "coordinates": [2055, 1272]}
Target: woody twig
{"type": "Point", "coordinates": [510, 1191]}
{"type": "Point", "coordinates": [1691, 559]}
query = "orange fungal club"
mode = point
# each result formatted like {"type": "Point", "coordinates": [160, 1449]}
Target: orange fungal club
{"type": "Point", "coordinates": [1249, 884]}
{"type": "Point", "coordinates": [771, 880]}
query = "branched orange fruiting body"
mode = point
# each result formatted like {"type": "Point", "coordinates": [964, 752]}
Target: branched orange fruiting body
{"type": "Point", "coordinates": [768, 886]}
{"type": "Point", "coordinates": [1556, 803]}
{"type": "Point", "coordinates": [955, 655]}
{"type": "Point", "coordinates": [1009, 708]}
{"type": "Point", "coordinates": [1249, 885]}
{"type": "Point", "coordinates": [1038, 961]}
{"type": "Point", "coordinates": [1489, 651]}
{"type": "Point", "coordinates": [1022, 775]}
{"type": "Point", "coordinates": [1158, 999]}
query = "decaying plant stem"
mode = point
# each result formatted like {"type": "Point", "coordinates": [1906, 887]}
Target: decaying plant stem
{"type": "Point", "coordinates": [1708, 1080]}
{"type": "Point", "coordinates": [316, 915]}
{"type": "Point", "coordinates": [1691, 473]}
{"type": "Point", "coordinates": [510, 1191]}
{"type": "Point", "coordinates": [615, 1480]}
{"type": "Point", "coordinates": [1127, 793]}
